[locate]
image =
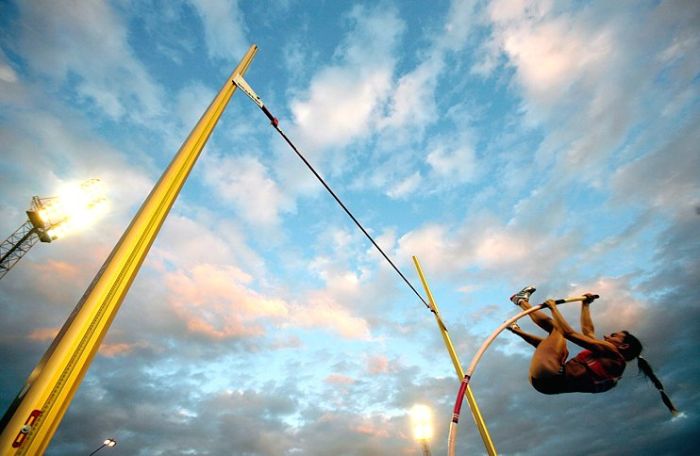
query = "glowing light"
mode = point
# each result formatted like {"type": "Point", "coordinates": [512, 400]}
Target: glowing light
{"type": "Point", "coordinates": [76, 207]}
{"type": "Point", "coordinates": [421, 418]}
{"type": "Point", "coordinates": [110, 442]}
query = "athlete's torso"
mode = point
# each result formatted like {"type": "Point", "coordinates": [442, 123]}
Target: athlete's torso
{"type": "Point", "coordinates": [590, 372]}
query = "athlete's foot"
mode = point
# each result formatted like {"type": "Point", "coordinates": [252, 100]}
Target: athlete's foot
{"type": "Point", "coordinates": [513, 327]}
{"type": "Point", "coordinates": [522, 295]}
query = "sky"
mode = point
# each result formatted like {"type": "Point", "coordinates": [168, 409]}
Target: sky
{"type": "Point", "coordinates": [503, 143]}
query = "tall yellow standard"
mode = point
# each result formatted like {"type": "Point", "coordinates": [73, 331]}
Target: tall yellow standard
{"type": "Point", "coordinates": [476, 413]}
{"type": "Point", "coordinates": [34, 416]}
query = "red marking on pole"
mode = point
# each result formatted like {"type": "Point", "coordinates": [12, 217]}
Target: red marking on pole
{"type": "Point", "coordinates": [460, 398]}
{"type": "Point", "coordinates": [22, 434]}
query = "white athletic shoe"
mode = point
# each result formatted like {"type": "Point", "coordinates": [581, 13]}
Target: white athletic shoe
{"type": "Point", "coordinates": [525, 294]}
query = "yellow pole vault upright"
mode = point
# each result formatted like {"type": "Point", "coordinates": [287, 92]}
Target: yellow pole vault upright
{"type": "Point", "coordinates": [34, 416]}
{"type": "Point", "coordinates": [478, 419]}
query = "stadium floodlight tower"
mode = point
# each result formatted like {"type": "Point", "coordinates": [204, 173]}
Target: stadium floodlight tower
{"type": "Point", "coordinates": [421, 418]}
{"type": "Point", "coordinates": [51, 218]}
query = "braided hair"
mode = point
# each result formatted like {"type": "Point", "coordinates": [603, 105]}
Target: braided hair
{"type": "Point", "coordinates": [635, 350]}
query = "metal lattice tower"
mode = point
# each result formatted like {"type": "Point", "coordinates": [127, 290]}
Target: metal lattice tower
{"type": "Point", "coordinates": [34, 229]}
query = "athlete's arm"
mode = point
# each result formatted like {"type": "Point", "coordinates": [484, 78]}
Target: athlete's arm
{"type": "Point", "coordinates": [582, 340]}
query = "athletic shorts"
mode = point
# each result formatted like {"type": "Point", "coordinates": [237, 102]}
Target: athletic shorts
{"type": "Point", "coordinates": [554, 384]}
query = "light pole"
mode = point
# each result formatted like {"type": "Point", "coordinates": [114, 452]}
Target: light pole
{"type": "Point", "coordinates": [107, 443]}
{"type": "Point", "coordinates": [421, 419]}
{"type": "Point", "coordinates": [51, 218]}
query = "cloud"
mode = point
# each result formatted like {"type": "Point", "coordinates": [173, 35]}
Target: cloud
{"type": "Point", "coordinates": [482, 244]}
{"type": "Point", "coordinates": [7, 74]}
{"type": "Point", "coordinates": [89, 43]}
{"type": "Point", "coordinates": [339, 106]}
{"type": "Point", "coordinates": [460, 22]}
{"type": "Point", "coordinates": [216, 302]}
{"type": "Point", "coordinates": [666, 178]}
{"type": "Point", "coordinates": [412, 99]}
{"type": "Point", "coordinates": [618, 307]}
{"type": "Point", "coordinates": [339, 379]}
{"type": "Point", "coordinates": [405, 187]}
{"type": "Point", "coordinates": [62, 271]}
{"type": "Point", "coordinates": [343, 100]}
{"type": "Point", "coordinates": [245, 182]}
{"type": "Point", "coordinates": [572, 71]}
{"type": "Point", "coordinates": [43, 334]}
{"type": "Point", "coordinates": [224, 28]}
{"type": "Point", "coordinates": [191, 102]}
{"type": "Point", "coordinates": [380, 364]}
{"type": "Point", "coordinates": [453, 160]}
{"type": "Point", "coordinates": [112, 350]}
{"type": "Point", "coordinates": [430, 243]}
{"type": "Point", "coordinates": [321, 311]}
{"type": "Point", "coordinates": [549, 53]}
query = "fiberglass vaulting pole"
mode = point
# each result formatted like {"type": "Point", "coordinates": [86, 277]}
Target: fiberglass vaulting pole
{"type": "Point", "coordinates": [476, 413]}
{"type": "Point", "coordinates": [34, 416]}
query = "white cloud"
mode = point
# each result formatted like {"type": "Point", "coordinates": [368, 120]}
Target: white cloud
{"type": "Point", "coordinates": [245, 182]}
{"type": "Point", "coordinates": [7, 74]}
{"type": "Point", "coordinates": [453, 161]}
{"type": "Point", "coordinates": [181, 239]}
{"type": "Point", "coordinates": [224, 28]}
{"type": "Point", "coordinates": [459, 24]}
{"type": "Point", "coordinates": [589, 75]}
{"type": "Point", "coordinates": [89, 41]}
{"type": "Point", "coordinates": [340, 105]}
{"type": "Point", "coordinates": [218, 302]}
{"type": "Point", "coordinates": [191, 102]}
{"type": "Point", "coordinates": [481, 243]}
{"type": "Point", "coordinates": [342, 102]}
{"type": "Point", "coordinates": [320, 311]}
{"type": "Point", "coordinates": [406, 186]}
{"type": "Point", "coordinates": [413, 98]}
{"type": "Point", "coordinates": [215, 301]}
{"type": "Point", "coordinates": [550, 52]}
{"type": "Point", "coordinates": [432, 245]}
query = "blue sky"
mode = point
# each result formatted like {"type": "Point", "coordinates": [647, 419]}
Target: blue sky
{"type": "Point", "coordinates": [503, 143]}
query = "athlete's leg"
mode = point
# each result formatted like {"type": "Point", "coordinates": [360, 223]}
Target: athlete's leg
{"type": "Point", "coordinates": [527, 337]}
{"type": "Point", "coordinates": [549, 356]}
{"type": "Point", "coordinates": [522, 299]}
{"type": "Point", "coordinates": [540, 319]}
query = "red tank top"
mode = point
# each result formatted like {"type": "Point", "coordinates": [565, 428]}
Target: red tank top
{"type": "Point", "coordinates": [601, 379]}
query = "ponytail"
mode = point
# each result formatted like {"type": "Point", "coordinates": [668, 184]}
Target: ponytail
{"type": "Point", "coordinates": [646, 369]}
{"type": "Point", "coordinates": [634, 350]}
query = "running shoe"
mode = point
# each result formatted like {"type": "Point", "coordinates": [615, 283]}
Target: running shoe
{"type": "Point", "coordinates": [525, 294]}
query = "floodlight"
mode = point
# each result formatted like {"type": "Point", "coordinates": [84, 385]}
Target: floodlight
{"type": "Point", "coordinates": [421, 419]}
{"type": "Point", "coordinates": [48, 219]}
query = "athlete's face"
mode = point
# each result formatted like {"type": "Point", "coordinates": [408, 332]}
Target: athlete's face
{"type": "Point", "coordinates": [616, 338]}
